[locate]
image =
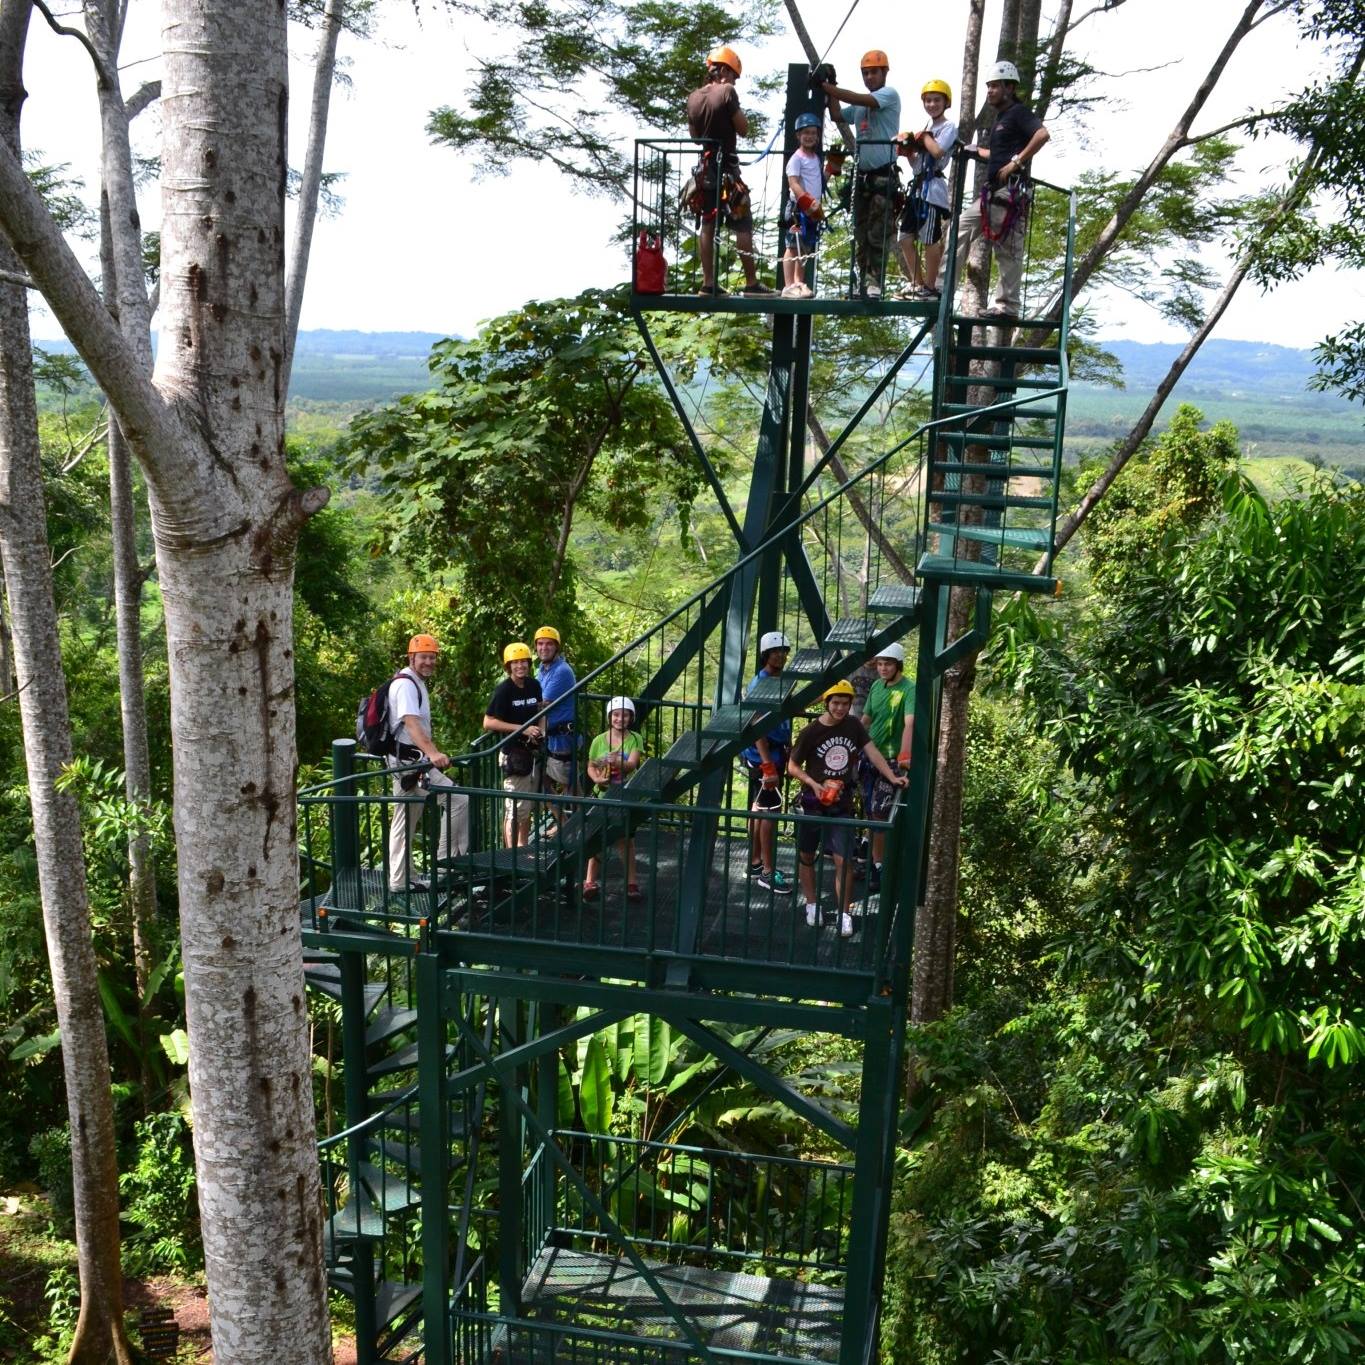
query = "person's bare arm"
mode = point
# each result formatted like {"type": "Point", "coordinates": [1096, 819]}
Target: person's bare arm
{"type": "Point", "coordinates": [839, 96]}
{"type": "Point", "coordinates": [741, 122]}
{"type": "Point", "coordinates": [417, 734]}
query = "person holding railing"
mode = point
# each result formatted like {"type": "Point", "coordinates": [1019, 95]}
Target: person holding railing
{"type": "Point", "coordinates": [824, 760]}
{"type": "Point", "coordinates": [889, 718]}
{"type": "Point", "coordinates": [805, 212]}
{"type": "Point", "coordinates": [514, 701]}
{"type": "Point", "coordinates": [612, 756]}
{"type": "Point", "coordinates": [765, 761]}
{"type": "Point", "coordinates": [557, 680]}
{"type": "Point", "coordinates": [926, 205]}
{"type": "Point", "coordinates": [409, 708]}
{"type": "Point", "coordinates": [1001, 211]}
{"type": "Point", "coordinates": [876, 118]}
{"type": "Point", "coordinates": [714, 115]}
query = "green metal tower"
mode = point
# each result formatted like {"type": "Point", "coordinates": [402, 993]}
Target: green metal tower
{"type": "Point", "coordinates": [471, 1216]}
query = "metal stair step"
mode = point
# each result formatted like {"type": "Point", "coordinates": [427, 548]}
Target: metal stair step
{"type": "Point", "coordinates": [851, 631]}
{"type": "Point", "coordinates": [390, 1193]}
{"type": "Point", "coordinates": [946, 569]}
{"type": "Point", "coordinates": [690, 749]}
{"type": "Point", "coordinates": [392, 1299]}
{"type": "Point", "coordinates": [1038, 412]}
{"type": "Point", "coordinates": [1026, 324]}
{"type": "Point", "coordinates": [1011, 537]}
{"type": "Point", "coordinates": [406, 1154]}
{"type": "Point", "coordinates": [809, 663]}
{"type": "Point", "coordinates": [728, 722]}
{"type": "Point", "coordinates": [324, 977]}
{"type": "Point", "coordinates": [771, 689]}
{"type": "Point", "coordinates": [993, 470]}
{"type": "Point", "coordinates": [894, 599]}
{"type": "Point", "coordinates": [1001, 381]}
{"type": "Point", "coordinates": [997, 440]}
{"type": "Point", "coordinates": [405, 1059]}
{"type": "Point", "coordinates": [999, 501]}
{"type": "Point", "coordinates": [647, 781]}
{"type": "Point", "coordinates": [1024, 355]}
{"type": "Point", "coordinates": [387, 1023]}
{"type": "Point", "coordinates": [358, 1220]}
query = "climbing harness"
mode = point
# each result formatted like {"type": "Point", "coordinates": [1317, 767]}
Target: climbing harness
{"type": "Point", "coordinates": [1016, 207]}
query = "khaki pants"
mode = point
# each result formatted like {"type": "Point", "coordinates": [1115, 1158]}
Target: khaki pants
{"type": "Point", "coordinates": [407, 815]}
{"type": "Point", "coordinates": [873, 231]}
{"type": "Point", "coordinates": [1008, 252]}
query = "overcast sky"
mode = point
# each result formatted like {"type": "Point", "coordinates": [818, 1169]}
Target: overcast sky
{"type": "Point", "coordinates": [420, 245]}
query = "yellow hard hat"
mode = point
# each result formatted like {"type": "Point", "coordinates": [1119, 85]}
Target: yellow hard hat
{"type": "Point", "coordinates": [875, 57]}
{"type": "Point", "coordinates": [842, 688]}
{"type": "Point", "coordinates": [516, 650]}
{"type": "Point", "coordinates": [725, 56]}
{"type": "Point", "coordinates": [423, 644]}
{"type": "Point", "coordinates": [937, 87]}
{"type": "Point", "coordinates": [548, 633]}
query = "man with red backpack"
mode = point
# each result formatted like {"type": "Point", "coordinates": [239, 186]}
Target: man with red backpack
{"type": "Point", "coordinates": [409, 722]}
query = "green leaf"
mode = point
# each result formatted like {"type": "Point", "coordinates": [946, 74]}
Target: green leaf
{"type": "Point", "coordinates": [36, 1047]}
{"type": "Point", "coordinates": [176, 1046]}
{"type": "Point", "coordinates": [595, 1096]}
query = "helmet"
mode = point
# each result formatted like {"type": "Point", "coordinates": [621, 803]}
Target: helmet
{"type": "Point", "coordinates": [842, 688]}
{"type": "Point", "coordinates": [516, 650]}
{"type": "Point", "coordinates": [807, 120]}
{"type": "Point", "coordinates": [1003, 71]}
{"type": "Point", "coordinates": [548, 633]}
{"type": "Point", "coordinates": [423, 644]}
{"type": "Point", "coordinates": [875, 57]}
{"type": "Point", "coordinates": [773, 639]}
{"type": "Point", "coordinates": [896, 652]}
{"type": "Point", "coordinates": [620, 704]}
{"type": "Point", "coordinates": [725, 56]}
{"type": "Point", "coordinates": [937, 87]}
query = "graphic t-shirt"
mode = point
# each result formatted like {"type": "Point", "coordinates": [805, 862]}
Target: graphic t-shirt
{"type": "Point", "coordinates": [514, 704]}
{"type": "Point", "coordinates": [885, 712]}
{"type": "Point", "coordinates": [605, 744]}
{"type": "Point", "coordinates": [829, 751]}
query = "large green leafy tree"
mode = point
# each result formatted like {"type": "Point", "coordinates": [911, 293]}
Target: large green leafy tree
{"type": "Point", "coordinates": [1156, 1160]}
{"type": "Point", "coordinates": [547, 413]}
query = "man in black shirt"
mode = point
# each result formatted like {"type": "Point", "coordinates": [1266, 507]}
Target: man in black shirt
{"type": "Point", "coordinates": [515, 702]}
{"type": "Point", "coordinates": [1016, 137]}
{"type": "Point", "coordinates": [713, 114]}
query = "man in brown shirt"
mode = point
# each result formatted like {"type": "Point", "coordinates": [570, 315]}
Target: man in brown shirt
{"type": "Point", "coordinates": [714, 115]}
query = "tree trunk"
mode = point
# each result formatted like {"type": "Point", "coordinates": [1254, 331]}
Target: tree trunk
{"type": "Point", "coordinates": [324, 70]}
{"type": "Point", "coordinates": [210, 437]}
{"type": "Point", "coordinates": [971, 69]}
{"type": "Point", "coordinates": [1056, 46]}
{"type": "Point", "coordinates": [1026, 43]}
{"type": "Point", "coordinates": [27, 563]}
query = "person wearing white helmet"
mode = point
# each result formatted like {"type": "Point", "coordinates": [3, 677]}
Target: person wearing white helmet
{"type": "Point", "coordinates": [889, 718]}
{"type": "Point", "coordinates": [1017, 135]}
{"type": "Point", "coordinates": [616, 753]}
{"type": "Point", "coordinates": [765, 762]}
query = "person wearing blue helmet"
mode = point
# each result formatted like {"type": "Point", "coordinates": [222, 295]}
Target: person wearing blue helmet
{"type": "Point", "coordinates": [806, 185]}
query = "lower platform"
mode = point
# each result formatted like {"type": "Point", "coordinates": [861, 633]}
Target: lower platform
{"type": "Point", "coordinates": [728, 1310]}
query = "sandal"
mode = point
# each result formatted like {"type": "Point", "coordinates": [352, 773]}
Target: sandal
{"type": "Point", "coordinates": [591, 890]}
{"type": "Point", "coordinates": [634, 894]}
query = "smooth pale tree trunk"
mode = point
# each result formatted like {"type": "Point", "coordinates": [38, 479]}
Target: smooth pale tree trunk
{"type": "Point", "coordinates": [26, 557]}
{"type": "Point", "coordinates": [209, 434]}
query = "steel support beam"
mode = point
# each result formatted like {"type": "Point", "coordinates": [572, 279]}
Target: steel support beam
{"type": "Point", "coordinates": [435, 1138]}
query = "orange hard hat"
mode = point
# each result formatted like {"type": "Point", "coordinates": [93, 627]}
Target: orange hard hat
{"type": "Point", "coordinates": [423, 644]}
{"type": "Point", "coordinates": [875, 57]}
{"type": "Point", "coordinates": [725, 56]}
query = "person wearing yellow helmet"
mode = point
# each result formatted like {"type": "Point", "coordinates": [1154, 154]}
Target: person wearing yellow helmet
{"type": "Point", "coordinates": [557, 683]}
{"type": "Point", "coordinates": [824, 760]}
{"type": "Point", "coordinates": [875, 114]}
{"type": "Point", "coordinates": [409, 709]}
{"type": "Point", "coordinates": [514, 710]}
{"type": "Point", "coordinates": [715, 118]}
{"type": "Point", "coordinates": [926, 204]}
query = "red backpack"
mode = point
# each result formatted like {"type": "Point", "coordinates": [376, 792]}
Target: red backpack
{"type": "Point", "coordinates": [651, 270]}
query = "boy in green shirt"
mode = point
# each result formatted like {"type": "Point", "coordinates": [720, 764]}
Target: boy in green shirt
{"type": "Point", "coordinates": [889, 717]}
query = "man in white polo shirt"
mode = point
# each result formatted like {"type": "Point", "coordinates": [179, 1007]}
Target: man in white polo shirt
{"type": "Point", "coordinates": [410, 719]}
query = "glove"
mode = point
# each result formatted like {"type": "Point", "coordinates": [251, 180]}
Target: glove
{"type": "Point", "coordinates": [806, 202]}
{"type": "Point", "coordinates": [824, 73]}
{"type": "Point", "coordinates": [816, 211]}
{"type": "Point", "coordinates": [903, 761]}
{"type": "Point", "coordinates": [770, 774]}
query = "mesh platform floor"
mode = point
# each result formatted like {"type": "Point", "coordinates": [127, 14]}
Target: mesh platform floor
{"type": "Point", "coordinates": [740, 920]}
{"type": "Point", "coordinates": [728, 1310]}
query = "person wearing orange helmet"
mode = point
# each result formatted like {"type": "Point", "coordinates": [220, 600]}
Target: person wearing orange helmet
{"type": "Point", "coordinates": [410, 717]}
{"type": "Point", "coordinates": [875, 114]}
{"type": "Point", "coordinates": [824, 760]}
{"type": "Point", "coordinates": [715, 118]}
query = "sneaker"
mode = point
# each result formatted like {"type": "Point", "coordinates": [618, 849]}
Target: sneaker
{"type": "Point", "coordinates": [793, 291]}
{"type": "Point", "coordinates": [845, 925]}
{"type": "Point", "coordinates": [812, 916]}
{"type": "Point", "coordinates": [713, 291]}
{"type": "Point", "coordinates": [591, 891]}
{"type": "Point", "coordinates": [874, 290]}
{"type": "Point", "coordinates": [806, 291]}
{"type": "Point", "coordinates": [758, 290]}
{"type": "Point", "coordinates": [775, 882]}
{"type": "Point", "coordinates": [1001, 316]}
{"type": "Point", "coordinates": [755, 868]}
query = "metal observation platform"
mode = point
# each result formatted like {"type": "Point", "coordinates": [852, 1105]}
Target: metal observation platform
{"type": "Point", "coordinates": [529, 1163]}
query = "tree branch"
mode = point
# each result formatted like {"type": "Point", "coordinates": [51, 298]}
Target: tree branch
{"type": "Point", "coordinates": [813, 57]}
{"type": "Point", "coordinates": [143, 97]}
{"type": "Point", "coordinates": [103, 74]}
{"type": "Point", "coordinates": [13, 277]}
{"type": "Point", "coordinates": [39, 244]}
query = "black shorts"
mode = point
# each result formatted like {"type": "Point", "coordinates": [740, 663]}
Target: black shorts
{"type": "Point", "coordinates": [755, 771]}
{"type": "Point", "coordinates": [838, 840]}
{"type": "Point", "coordinates": [922, 222]}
